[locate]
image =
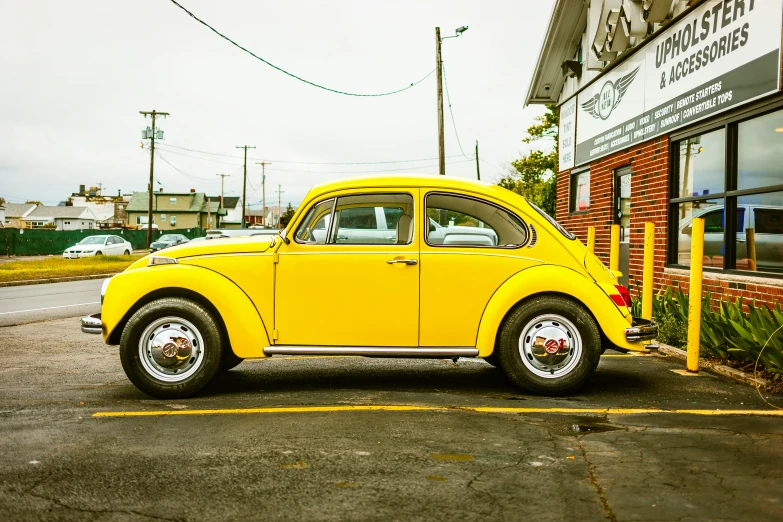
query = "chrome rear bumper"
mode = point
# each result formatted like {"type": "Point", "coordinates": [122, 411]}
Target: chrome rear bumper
{"type": "Point", "coordinates": [91, 324]}
{"type": "Point", "coordinates": [641, 330]}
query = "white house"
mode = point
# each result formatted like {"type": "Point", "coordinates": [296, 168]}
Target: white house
{"type": "Point", "coordinates": [233, 207]}
{"type": "Point", "coordinates": [63, 218]}
{"type": "Point", "coordinates": [15, 212]}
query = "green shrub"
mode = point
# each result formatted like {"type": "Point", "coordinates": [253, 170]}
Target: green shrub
{"type": "Point", "coordinates": [672, 331]}
{"type": "Point", "coordinates": [726, 332]}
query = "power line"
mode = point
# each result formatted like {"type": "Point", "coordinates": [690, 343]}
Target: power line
{"type": "Point", "coordinates": [195, 178]}
{"type": "Point", "coordinates": [291, 74]}
{"type": "Point", "coordinates": [301, 171]}
{"type": "Point", "coordinates": [451, 112]}
{"type": "Point", "coordinates": [306, 162]}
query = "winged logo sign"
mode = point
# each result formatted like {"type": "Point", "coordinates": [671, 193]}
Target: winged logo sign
{"type": "Point", "coordinates": [611, 94]}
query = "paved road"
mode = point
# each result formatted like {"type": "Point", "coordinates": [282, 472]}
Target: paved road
{"type": "Point", "coordinates": [24, 304]}
{"type": "Point", "coordinates": [292, 439]}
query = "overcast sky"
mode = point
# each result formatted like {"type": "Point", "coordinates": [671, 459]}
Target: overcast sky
{"type": "Point", "coordinates": [76, 74]}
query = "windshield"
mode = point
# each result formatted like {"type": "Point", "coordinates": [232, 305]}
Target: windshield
{"type": "Point", "coordinates": [93, 240]}
{"type": "Point", "coordinates": [168, 238]}
{"type": "Point", "coordinates": [549, 218]}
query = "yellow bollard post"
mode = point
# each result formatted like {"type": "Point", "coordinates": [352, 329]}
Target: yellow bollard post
{"type": "Point", "coordinates": [591, 240]}
{"type": "Point", "coordinates": [647, 275]}
{"type": "Point", "coordinates": [750, 238]}
{"type": "Point", "coordinates": [614, 249]}
{"type": "Point", "coordinates": [694, 291]}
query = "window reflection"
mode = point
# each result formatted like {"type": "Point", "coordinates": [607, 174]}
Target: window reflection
{"type": "Point", "coordinates": [758, 155]}
{"type": "Point", "coordinates": [701, 162]}
{"type": "Point", "coordinates": [760, 241]}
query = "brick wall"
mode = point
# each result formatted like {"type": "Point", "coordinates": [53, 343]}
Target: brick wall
{"type": "Point", "coordinates": [649, 164]}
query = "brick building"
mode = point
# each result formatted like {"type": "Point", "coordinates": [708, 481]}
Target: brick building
{"type": "Point", "coordinates": [671, 110]}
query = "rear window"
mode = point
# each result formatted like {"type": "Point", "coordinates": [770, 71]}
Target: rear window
{"type": "Point", "coordinates": [554, 223]}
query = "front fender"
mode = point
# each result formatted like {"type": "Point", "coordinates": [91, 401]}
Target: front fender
{"type": "Point", "coordinates": [246, 330]}
{"type": "Point", "coordinates": [549, 279]}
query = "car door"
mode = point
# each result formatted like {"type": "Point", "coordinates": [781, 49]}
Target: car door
{"type": "Point", "coordinates": [355, 292]}
{"type": "Point", "coordinates": [459, 277]}
{"type": "Point", "coordinates": [117, 246]}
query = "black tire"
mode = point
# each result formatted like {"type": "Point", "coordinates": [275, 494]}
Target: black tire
{"type": "Point", "coordinates": [229, 361]}
{"type": "Point", "coordinates": [98, 253]}
{"type": "Point", "coordinates": [127, 253]}
{"type": "Point", "coordinates": [179, 309]}
{"type": "Point", "coordinates": [579, 365]}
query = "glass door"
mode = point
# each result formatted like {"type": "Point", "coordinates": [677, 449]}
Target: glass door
{"type": "Point", "coordinates": [622, 207]}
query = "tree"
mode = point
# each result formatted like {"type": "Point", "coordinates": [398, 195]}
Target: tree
{"type": "Point", "coordinates": [2, 201]}
{"type": "Point", "coordinates": [534, 175]}
{"type": "Point", "coordinates": [286, 217]}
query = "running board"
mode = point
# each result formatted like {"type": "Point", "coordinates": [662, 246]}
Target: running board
{"type": "Point", "coordinates": [371, 351]}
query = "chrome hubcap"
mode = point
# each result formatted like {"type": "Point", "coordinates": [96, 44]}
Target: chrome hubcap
{"type": "Point", "coordinates": [550, 346]}
{"type": "Point", "coordinates": [171, 349]}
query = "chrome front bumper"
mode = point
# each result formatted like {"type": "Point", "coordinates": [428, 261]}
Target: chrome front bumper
{"type": "Point", "coordinates": [641, 330]}
{"type": "Point", "coordinates": [91, 324]}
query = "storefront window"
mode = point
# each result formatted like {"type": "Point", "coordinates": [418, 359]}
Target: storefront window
{"type": "Point", "coordinates": [760, 239]}
{"type": "Point", "coordinates": [754, 240]}
{"type": "Point", "coordinates": [701, 164]}
{"type": "Point", "coordinates": [712, 213]}
{"type": "Point", "coordinates": [760, 143]}
{"type": "Point", "coordinates": [580, 192]}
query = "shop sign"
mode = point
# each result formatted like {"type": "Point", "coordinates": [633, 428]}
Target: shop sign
{"type": "Point", "coordinates": [721, 55]}
{"type": "Point", "coordinates": [567, 134]}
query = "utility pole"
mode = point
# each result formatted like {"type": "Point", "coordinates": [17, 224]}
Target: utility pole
{"type": "Point", "coordinates": [244, 182]}
{"type": "Point", "coordinates": [279, 209]}
{"type": "Point", "coordinates": [222, 180]}
{"type": "Point", "coordinates": [478, 172]}
{"type": "Point", "coordinates": [151, 134]}
{"type": "Point", "coordinates": [439, 72]}
{"type": "Point", "coordinates": [263, 191]}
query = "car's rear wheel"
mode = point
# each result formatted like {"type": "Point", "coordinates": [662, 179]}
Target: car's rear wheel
{"type": "Point", "coordinates": [127, 252]}
{"type": "Point", "coordinates": [549, 345]}
{"type": "Point", "coordinates": [171, 348]}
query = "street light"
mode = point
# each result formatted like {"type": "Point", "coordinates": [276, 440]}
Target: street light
{"type": "Point", "coordinates": [439, 70]}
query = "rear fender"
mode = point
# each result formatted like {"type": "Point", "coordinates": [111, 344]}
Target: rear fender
{"type": "Point", "coordinates": [552, 279]}
{"type": "Point", "coordinates": [246, 330]}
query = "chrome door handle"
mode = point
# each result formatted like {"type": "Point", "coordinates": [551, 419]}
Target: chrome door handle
{"type": "Point", "coordinates": [403, 261]}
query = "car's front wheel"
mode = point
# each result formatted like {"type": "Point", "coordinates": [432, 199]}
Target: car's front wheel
{"type": "Point", "coordinates": [550, 345]}
{"type": "Point", "coordinates": [171, 348]}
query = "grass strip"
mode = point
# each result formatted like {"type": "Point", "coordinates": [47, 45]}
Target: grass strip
{"type": "Point", "coordinates": [50, 267]}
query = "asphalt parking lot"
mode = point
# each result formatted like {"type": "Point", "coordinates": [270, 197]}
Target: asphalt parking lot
{"type": "Point", "coordinates": [301, 438]}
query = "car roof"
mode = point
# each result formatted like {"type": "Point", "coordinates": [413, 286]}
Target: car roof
{"type": "Point", "coordinates": [408, 180]}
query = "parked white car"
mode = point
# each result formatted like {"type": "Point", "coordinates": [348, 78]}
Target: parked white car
{"type": "Point", "coordinates": [99, 246]}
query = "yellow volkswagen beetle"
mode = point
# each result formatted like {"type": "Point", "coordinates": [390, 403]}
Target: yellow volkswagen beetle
{"type": "Point", "coordinates": [414, 266]}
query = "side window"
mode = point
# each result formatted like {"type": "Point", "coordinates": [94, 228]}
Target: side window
{"type": "Point", "coordinates": [463, 221]}
{"type": "Point", "coordinates": [768, 221]}
{"type": "Point", "coordinates": [713, 221]}
{"type": "Point", "coordinates": [315, 226]}
{"type": "Point", "coordinates": [357, 220]}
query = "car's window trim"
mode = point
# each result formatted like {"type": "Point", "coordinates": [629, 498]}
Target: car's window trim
{"type": "Point", "coordinates": [328, 230]}
{"type": "Point", "coordinates": [333, 224]}
{"type": "Point", "coordinates": [480, 200]}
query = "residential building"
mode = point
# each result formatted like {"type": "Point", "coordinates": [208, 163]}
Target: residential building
{"type": "Point", "coordinates": [15, 212]}
{"type": "Point", "coordinates": [60, 218]}
{"type": "Point", "coordinates": [175, 210]}
{"type": "Point", "coordinates": [233, 208]}
{"type": "Point", "coordinates": [670, 111]}
{"type": "Point", "coordinates": [2, 216]}
{"type": "Point", "coordinates": [254, 218]}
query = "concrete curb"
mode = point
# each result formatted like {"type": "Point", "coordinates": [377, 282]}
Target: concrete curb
{"type": "Point", "coordinates": [718, 369]}
{"type": "Point", "coordinates": [54, 280]}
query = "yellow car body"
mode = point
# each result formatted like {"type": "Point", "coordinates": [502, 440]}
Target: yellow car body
{"type": "Point", "coordinates": [289, 296]}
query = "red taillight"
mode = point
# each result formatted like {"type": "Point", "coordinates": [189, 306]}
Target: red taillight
{"type": "Point", "coordinates": [623, 297]}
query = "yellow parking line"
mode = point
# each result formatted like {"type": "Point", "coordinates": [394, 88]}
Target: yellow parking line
{"type": "Point", "coordinates": [400, 407]}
